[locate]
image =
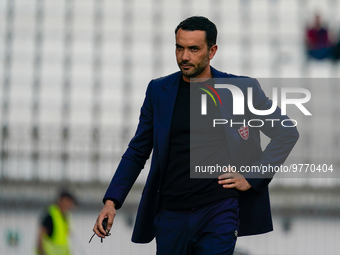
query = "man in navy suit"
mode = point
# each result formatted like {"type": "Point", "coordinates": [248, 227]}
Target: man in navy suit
{"type": "Point", "coordinates": [197, 216]}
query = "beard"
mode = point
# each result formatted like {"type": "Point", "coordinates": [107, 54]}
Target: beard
{"type": "Point", "coordinates": [197, 69]}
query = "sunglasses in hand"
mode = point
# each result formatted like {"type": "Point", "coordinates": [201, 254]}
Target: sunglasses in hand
{"type": "Point", "coordinates": [104, 224]}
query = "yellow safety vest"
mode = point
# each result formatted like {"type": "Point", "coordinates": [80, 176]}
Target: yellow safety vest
{"type": "Point", "coordinates": [58, 242]}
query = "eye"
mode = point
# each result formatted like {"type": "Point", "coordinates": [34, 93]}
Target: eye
{"type": "Point", "coordinates": [178, 47]}
{"type": "Point", "coordinates": [194, 49]}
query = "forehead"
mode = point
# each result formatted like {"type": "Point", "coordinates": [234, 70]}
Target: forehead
{"type": "Point", "coordinates": [187, 38]}
{"type": "Point", "coordinates": [66, 200]}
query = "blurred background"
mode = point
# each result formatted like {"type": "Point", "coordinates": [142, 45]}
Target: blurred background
{"type": "Point", "coordinates": [73, 74]}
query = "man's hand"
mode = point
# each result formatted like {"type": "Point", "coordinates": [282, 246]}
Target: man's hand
{"type": "Point", "coordinates": [234, 180]}
{"type": "Point", "coordinates": [109, 212]}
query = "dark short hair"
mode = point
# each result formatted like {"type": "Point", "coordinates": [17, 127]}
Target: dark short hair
{"type": "Point", "coordinates": [200, 23]}
{"type": "Point", "coordinates": [64, 193]}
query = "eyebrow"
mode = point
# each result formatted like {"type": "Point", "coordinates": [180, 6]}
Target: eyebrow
{"type": "Point", "coordinates": [190, 47]}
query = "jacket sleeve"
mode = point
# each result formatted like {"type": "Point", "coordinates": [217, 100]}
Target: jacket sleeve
{"type": "Point", "coordinates": [282, 138]}
{"type": "Point", "coordinates": [134, 158]}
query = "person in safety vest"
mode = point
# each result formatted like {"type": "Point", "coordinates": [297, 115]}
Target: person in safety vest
{"type": "Point", "coordinates": [53, 233]}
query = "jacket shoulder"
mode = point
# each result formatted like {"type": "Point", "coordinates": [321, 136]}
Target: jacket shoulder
{"type": "Point", "coordinates": [219, 74]}
{"type": "Point", "coordinates": [166, 79]}
{"type": "Point", "coordinates": [241, 81]}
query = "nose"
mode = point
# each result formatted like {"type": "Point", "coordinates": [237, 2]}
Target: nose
{"type": "Point", "coordinates": [185, 55]}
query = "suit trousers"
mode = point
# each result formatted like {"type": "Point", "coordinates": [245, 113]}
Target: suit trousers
{"type": "Point", "coordinates": [208, 230]}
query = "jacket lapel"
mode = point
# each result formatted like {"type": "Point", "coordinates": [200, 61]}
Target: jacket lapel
{"type": "Point", "coordinates": [166, 103]}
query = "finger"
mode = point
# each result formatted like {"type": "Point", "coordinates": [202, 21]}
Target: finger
{"type": "Point", "coordinates": [226, 181]}
{"type": "Point", "coordinates": [100, 224]}
{"type": "Point", "coordinates": [96, 231]}
{"type": "Point", "coordinates": [225, 176]}
{"type": "Point", "coordinates": [229, 186]}
{"type": "Point", "coordinates": [110, 222]}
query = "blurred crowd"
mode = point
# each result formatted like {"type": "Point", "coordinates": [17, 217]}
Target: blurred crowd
{"type": "Point", "coordinates": [320, 42]}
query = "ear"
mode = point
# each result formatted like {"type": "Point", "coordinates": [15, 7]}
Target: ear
{"type": "Point", "coordinates": [212, 51]}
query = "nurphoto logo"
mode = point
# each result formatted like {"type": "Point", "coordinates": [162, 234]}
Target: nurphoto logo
{"type": "Point", "coordinates": [239, 103]}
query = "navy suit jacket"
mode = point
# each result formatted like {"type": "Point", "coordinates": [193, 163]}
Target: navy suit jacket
{"type": "Point", "coordinates": [153, 133]}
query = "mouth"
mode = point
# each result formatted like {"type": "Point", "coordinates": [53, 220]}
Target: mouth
{"type": "Point", "coordinates": [186, 66]}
